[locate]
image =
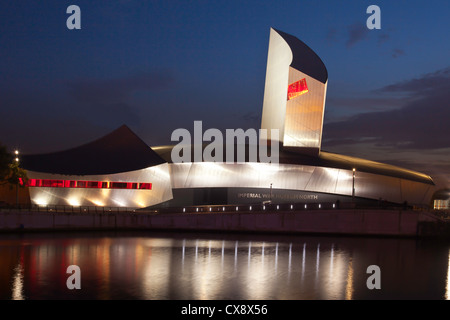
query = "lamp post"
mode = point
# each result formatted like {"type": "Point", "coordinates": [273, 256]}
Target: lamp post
{"type": "Point", "coordinates": [270, 193]}
{"type": "Point", "coordinates": [16, 153]}
{"type": "Point", "coordinates": [353, 185]}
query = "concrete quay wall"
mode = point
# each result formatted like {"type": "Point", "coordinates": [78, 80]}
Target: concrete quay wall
{"type": "Point", "coordinates": [344, 222]}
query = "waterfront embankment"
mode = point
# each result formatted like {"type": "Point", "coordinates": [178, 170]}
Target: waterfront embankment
{"type": "Point", "coordinates": [368, 222]}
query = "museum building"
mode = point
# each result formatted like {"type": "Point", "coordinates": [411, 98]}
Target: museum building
{"type": "Point", "coordinates": [121, 170]}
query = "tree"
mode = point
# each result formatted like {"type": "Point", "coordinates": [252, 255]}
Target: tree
{"type": "Point", "coordinates": [17, 176]}
{"type": "Point", "coordinates": [10, 171]}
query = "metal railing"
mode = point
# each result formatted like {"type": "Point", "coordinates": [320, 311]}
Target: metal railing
{"type": "Point", "coordinates": [73, 209]}
{"type": "Point", "coordinates": [247, 208]}
{"type": "Point", "coordinates": [443, 214]}
{"type": "Point", "coordinates": [278, 207]}
{"type": "Point", "coordinates": [269, 207]}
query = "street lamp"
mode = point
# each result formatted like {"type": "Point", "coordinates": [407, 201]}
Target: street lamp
{"type": "Point", "coordinates": [270, 193]}
{"type": "Point", "coordinates": [353, 185]}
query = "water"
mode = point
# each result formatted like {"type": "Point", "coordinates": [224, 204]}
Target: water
{"type": "Point", "coordinates": [170, 266]}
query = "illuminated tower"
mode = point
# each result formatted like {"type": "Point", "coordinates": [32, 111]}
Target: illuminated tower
{"type": "Point", "coordinates": [294, 94]}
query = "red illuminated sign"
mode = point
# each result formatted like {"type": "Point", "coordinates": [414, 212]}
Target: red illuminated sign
{"type": "Point", "coordinates": [51, 183]}
{"type": "Point", "coordinates": [297, 89]}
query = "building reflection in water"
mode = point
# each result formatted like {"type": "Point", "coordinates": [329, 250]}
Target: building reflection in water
{"type": "Point", "coordinates": [447, 288]}
{"type": "Point", "coordinates": [349, 287]}
{"type": "Point", "coordinates": [17, 285]}
{"type": "Point", "coordinates": [140, 267]}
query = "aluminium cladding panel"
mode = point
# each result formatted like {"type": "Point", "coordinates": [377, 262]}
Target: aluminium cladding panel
{"type": "Point", "coordinates": [374, 186]}
{"type": "Point", "coordinates": [275, 91]}
{"type": "Point", "coordinates": [158, 176]}
{"type": "Point", "coordinates": [305, 113]}
{"type": "Point", "coordinates": [297, 177]}
{"type": "Point", "coordinates": [261, 175]}
{"type": "Point", "coordinates": [323, 180]}
{"type": "Point", "coordinates": [235, 175]}
{"type": "Point", "coordinates": [179, 173]}
{"type": "Point", "coordinates": [344, 181]}
{"type": "Point", "coordinates": [412, 190]}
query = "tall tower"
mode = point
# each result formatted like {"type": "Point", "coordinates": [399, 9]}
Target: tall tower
{"type": "Point", "coordinates": [294, 93]}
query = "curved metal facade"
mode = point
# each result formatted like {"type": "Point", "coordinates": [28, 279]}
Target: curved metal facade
{"type": "Point", "coordinates": [300, 119]}
{"type": "Point", "coordinates": [294, 102]}
{"type": "Point", "coordinates": [305, 178]}
{"type": "Point", "coordinates": [304, 114]}
{"type": "Point", "coordinates": [158, 176]}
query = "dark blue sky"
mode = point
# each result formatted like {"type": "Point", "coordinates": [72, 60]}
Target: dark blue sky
{"type": "Point", "coordinates": [160, 65]}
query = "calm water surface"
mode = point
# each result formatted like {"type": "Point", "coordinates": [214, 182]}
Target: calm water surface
{"type": "Point", "coordinates": [217, 267]}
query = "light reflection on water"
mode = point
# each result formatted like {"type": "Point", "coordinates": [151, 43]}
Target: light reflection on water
{"type": "Point", "coordinates": [17, 286]}
{"type": "Point", "coordinates": [447, 288]}
{"type": "Point", "coordinates": [209, 267]}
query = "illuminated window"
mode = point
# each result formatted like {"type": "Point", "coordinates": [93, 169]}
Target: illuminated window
{"type": "Point", "coordinates": [441, 204]}
{"type": "Point", "coordinates": [50, 183]}
{"type": "Point", "coordinates": [145, 185]}
{"type": "Point", "coordinates": [93, 184]}
{"type": "Point", "coordinates": [118, 185]}
{"type": "Point", "coordinates": [53, 183]}
{"type": "Point", "coordinates": [297, 89]}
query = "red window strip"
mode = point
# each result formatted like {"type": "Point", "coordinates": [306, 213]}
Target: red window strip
{"type": "Point", "coordinates": [145, 186]}
{"type": "Point", "coordinates": [297, 89]}
{"type": "Point", "coordinates": [51, 183]}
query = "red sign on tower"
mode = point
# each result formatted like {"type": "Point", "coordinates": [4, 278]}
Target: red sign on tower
{"type": "Point", "coordinates": [297, 89]}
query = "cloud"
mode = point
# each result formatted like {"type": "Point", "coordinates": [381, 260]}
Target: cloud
{"type": "Point", "coordinates": [366, 103]}
{"type": "Point", "coordinates": [252, 117]}
{"type": "Point", "coordinates": [382, 38]}
{"type": "Point", "coordinates": [415, 136]}
{"type": "Point", "coordinates": [397, 53]}
{"type": "Point", "coordinates": [431, 163]}
{"type": "Point", "coordinates": [74, 112]}
{"type": "Point", "coordinates": [356, 33]}
{"type": "Point", "coordinates": [119, 89]}
{"type": "Point", "coordinates": [113, 102]}
{"type": "Point", "coordinates": [40, 133]}
{"type": "Point", "coordinates": [332, 34]}
{"type": "Point", "coordinates": [422, 123]}
{"type": "Point", "coordinates": [427, 85]}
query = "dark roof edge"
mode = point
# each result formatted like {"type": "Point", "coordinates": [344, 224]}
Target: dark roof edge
{"type": "Point", "coordinates": [121, 150]}
{"type": "Point", "coordinates": [331, 160]}
{"type": "Point", "coordinates": [122, 127]}
{"type": "Point", "coordinates": [301, 52]}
